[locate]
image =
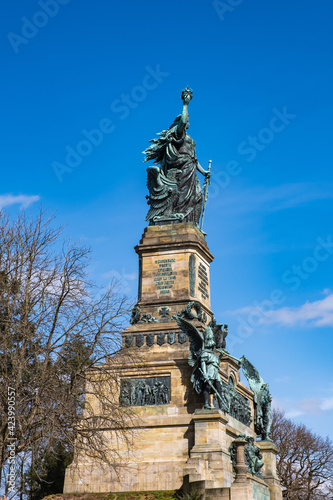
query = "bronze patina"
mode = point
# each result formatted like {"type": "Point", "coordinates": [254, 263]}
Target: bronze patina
{"type": "Point", "coordinates": [175, 193]}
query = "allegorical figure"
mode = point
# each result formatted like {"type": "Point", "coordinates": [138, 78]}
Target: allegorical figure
{"type": "Point", "coordinates": [205, 358]}
{"type": "Point", "coordinates": [252, 455]}
{"type": "Point", "coordinates": [262, 400]}
{"type": "Point", "coordinates": [175, 192]}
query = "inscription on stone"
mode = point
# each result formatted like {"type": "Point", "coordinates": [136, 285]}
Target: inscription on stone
{"type": "Point", "coordinates": [203, 281]}
{"type": "Point", "coordinates": [191, 266]}
{"type": "Point", "coordinates": [145, 391]}
{"type": "Point", "coordinates": [140, 280]}
{"type": "Point", "coordinates": [165, 276]}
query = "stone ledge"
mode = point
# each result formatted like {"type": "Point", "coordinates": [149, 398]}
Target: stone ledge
{"type": "Point", "coordinates": [267, 446]}
{"type": "Point", "coordinates": [205, 448]}
{"type": "Point", "coordinates": [182, 235]}
{"type": "Point", "coordinates": [210, 415]}
{"type": "Point", "coordinates": [155, 421]}
{"type": "Point", "coordinates": [256, 479]}
{"type": "Point", "coordinates": [133, 495]}
{"type": "Point", "coordinates": [152, 364]}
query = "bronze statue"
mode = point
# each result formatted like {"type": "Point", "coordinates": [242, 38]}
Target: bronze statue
{"type": "Point", "coordinates": [206, 351]}
{"type": "Point", "coordinates": [252, 455]}
{"type": "Point", "coordinates": [262, 400]}
{"type": "Point", "coordinates": [175, 193]}
{"type": "Point", "coordinates": [205, 358]}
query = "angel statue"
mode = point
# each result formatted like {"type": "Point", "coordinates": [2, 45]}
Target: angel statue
{"type": "Point", "coordinates": [262, 400]}
{"type": "Point", "coordinates": [205, 359]}
{"type": "Point", "coordinates": [175, 193]}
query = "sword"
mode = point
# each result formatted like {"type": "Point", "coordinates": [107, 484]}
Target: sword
{"type": "Point", "coordinates": [206, 184]}
{"type": "Point", "coordinates": [224, 351]}
{"type": "Point", "coordinates": [217, 394]}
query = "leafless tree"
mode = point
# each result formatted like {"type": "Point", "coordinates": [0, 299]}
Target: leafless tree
{"type": "Point", "coordinates": [304, 461]}
{"type": "Point", "coordinates": [56, 328]}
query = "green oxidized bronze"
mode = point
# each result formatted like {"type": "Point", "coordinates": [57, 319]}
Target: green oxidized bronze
{"type": "Point", "coordinates": [239, 407]}
{"type": "Point", "coordinates": [253, 456]}
{"type": "Point", "coordinates": [175, 193]}
{"type": "Point", "coordinates": [191, 272]}
{"type": "Point", "coordinates": [206, 351]}
{"type": "Point", "coordinates": [139, 317]}
{"type": "Point", "coordinates": [145, 391]}
{"type": "Point", "coordinates": [205, 358]}
{"type": "Point", "coordinates": [262, 400]}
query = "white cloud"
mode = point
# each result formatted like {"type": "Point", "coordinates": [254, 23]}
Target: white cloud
{"type": "Point", "coordinates": [306, 406]}
{"type": "Point", "coordinates": [122, 278]}
{"type": "Point", "coordinates": [120, 275]}
{"type": "Point", "coordinates": [311, 314]}
{"type": "Point", "coordinates": [293, 413]}
{"type": "Point", "coordinates": [22, 199]}
{"type": "Point", "coordinates": [327, 404]}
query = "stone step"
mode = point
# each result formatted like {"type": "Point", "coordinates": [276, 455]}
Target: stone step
{"type": "Point", "coordinates": [192, 478]}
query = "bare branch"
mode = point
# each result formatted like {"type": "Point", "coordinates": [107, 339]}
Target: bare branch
{"type": "Point", "coordinates": [58, 331]}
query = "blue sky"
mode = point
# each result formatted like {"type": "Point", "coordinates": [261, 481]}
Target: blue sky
{"type": "Point", "coordinates": [86, 85]}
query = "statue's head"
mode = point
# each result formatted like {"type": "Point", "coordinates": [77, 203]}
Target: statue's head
{"type": "Point", "coordinates": [209, 338]}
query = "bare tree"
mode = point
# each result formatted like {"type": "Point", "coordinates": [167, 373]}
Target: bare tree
{"type": "Point", "coordinates": [56, 327]}
{"type": "Point", "coordinates": [304, 461]}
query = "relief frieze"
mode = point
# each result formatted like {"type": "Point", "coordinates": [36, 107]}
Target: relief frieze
{"type": "Point", "coordinates": [145, 391]}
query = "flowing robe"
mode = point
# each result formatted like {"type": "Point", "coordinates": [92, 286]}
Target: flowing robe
{"type": "Point", "coordinates": [175, 188]}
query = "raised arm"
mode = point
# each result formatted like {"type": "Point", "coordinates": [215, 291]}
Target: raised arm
{"type": "Point", "coordinates": [183, 119]}
{"type": "Point", "coordinates": [186, 97]}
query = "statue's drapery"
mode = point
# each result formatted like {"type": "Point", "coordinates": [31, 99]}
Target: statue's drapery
{"type": "Point", "coordinates": [175, 192]}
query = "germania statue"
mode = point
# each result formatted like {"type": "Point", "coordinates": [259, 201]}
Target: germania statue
{"type": "Point", "coordinates": [175, 193]}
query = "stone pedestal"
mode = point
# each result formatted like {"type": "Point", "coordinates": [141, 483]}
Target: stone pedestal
{"type": "Point", "coordinates": [174, 263]}
{"type": "Point", "coordinates": [241, 467]}
{"type": "Point", "coordinates": [241, 491]}
{"type": "Point", "coordinates": [269, 452]}
{"type": "Point", "coordinates": [209, 458]}
{"type": "Point", "coordinates": [175, 442]}
{"type": "Point", "coordinates": [241, 487]}
{"type": "Point", "coordinates": [209, 468]}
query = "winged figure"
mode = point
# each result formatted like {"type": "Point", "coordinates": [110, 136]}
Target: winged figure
{"type": "Point", "coordinates": [174, 188]}
{"type": "Point", "coordinates": [204, 357]}
{"type": "Point", "coordinates": [262, 399]}
{"type": "Point", "coordinates": [220, 332]}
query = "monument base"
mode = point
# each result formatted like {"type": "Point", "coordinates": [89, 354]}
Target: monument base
{"type": "Point", "coordinates": [174, 443]}
{"type": "Point", "coordinates": [209, 468]}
